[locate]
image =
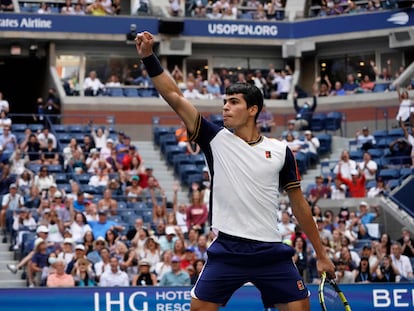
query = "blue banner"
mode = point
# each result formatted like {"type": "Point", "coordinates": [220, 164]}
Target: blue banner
{"type": "Point", "coordinates": [211, 28]}
{"type": "Point", "coordinates": [365, 297]}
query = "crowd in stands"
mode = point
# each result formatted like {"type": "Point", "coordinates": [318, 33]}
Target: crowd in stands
{"type": "Point", "coordinates": [219, 9]}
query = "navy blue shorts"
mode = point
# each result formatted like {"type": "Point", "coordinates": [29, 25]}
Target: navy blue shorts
{"type": "Point", "coordinates": [234, 261]}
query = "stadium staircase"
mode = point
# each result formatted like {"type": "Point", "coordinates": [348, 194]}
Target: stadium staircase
{"type": "Point", "coordinates": [8, 279]}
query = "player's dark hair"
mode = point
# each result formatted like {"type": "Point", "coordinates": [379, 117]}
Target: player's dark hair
{"type": "Point", "coordinates": [251, 94]}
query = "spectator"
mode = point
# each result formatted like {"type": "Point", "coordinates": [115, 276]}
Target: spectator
{"type": "Point", "coordinates": [401, 262]}
{"type": "Point", "coordinates": [320, 190]}
{"type": "Point", "coordinates": [67, 8]}
{"type": "Point", "coordinates": [114, 277]}
{"type": "Point", "coordinates": [100, 137]}
{"type": "Point", "coordinates": [4, 104]}
{"type": "Point", "coordinates": [197, 213]}
{"type": "Point", "coordinates": [4, 121]}
{"type": "Point", "coordinates": [174, 9]}
{"type": "Point", "coordinates": [293, 143]}
{"type": "Point", "coordinates": [44, 136]}
{"type": "Point", "coordinates": [322, 88]}
{"type": "Point", "coordinates": [356, 184]}
{"type": "Point", "coordinates": [177, 276]}
{"type": "Point", "coordinates": [31, 146]}
{"type": "Point", "coordinates": [144, 276]}
{"type": "Point", "coordinates": [386, 271]}
{"type": "Point", "coordinates": [368, 167]}
{"type": "Point", "coordinates": [167, 240]}
{"type": "Point", "coordinates": [401, 150]}
{"type": "Point", "coordinates": [140, 7]}
{"type": "Point", "coordinates": [44, 8]}
{"type": "Point", "coordinates": [265, 121]}
{"type": "Point", "coordinates": [113, 81]}
{"type": "Point", "coordinates": [92, 86]}
{"type": "Point", "coordinates": [43, 180]}
{"type": "Point", "coordinates": [49, 155]}
{"type": "Point", "coordinates": [283, 83]}
{"type": "Point", "coordinates": [365, 140]}
{"type": "Point", "coordinates": [285, 226]}
{"type": "Point", "coordinates": [87, 145]}
{"type": "Point", "coordinates": [52, 106]}
{"type": "Point", "coordinates": [100, 227]}
{"type": "Point", "coordinates": [378, 190]}
{"type": "Point", "coordinates": [145, 84]}
{"type": "Point", "coordinates": [11, 203]}
{"type": "Point", "coordinates": [60, 278]}
{"type": "Point", "coordinates": [310, 147]}
{"type": "Point", "coordinates": [38, 262]}
{"type": "Point", "coordinates": [8, 142]}
{"type": "Point", "coordinates": [290, 129]}
{"type": "Point", "coordinates": [345, 165]}
{"type": "Point", "coordinates": [407, 243]}
{"type": "Point", "coordinates": [181, 135]}
{"type": "Point", "coordinates": [83, 273]}
{"type": "Point", "coordinates": [363, 273]}
{"type": "Point", "coordinates": [338, 89]}
{"type": "Point", "coordinates": [79, 227]}
{"type": "Point", "coordinates": [366, 85]}
{"type": "Point", "coordinates": [405, 108]}
{"type": "Point", "coordinates": [191, 92]}
{"type": "Point", "coordinates": [350, 86]}
{"type": "Point", "coordinates": [364, 214]}
{"type": "Point", "coordinates": [23, 222]}
{"type": "Point", "coordinates": [409, 136]}
{"type": "Point", "coordinates": [338, 189]}
{"type": "Point", "coordinates": [68, 151]}
{"type": "Point", "coordinates": [6, 6]}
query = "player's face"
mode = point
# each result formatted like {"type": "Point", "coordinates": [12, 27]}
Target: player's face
{"type": "Point", "coordinates": [235, 112]}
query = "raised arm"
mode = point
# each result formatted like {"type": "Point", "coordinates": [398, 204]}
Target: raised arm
{"type": "Point", "coordinates": [163, 82]}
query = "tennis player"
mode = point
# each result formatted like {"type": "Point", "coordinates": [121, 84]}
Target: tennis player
{"type": "Point", "coordinates": [247, 170]}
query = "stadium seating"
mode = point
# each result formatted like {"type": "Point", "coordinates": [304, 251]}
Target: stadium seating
{"type": "Point", "coordinates": [333, 121]}
{"type": "Point", "coordinates": [318, 122]}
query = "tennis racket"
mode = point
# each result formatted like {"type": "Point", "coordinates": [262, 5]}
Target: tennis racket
{"type": "Point", "coordinates": [330, 295]}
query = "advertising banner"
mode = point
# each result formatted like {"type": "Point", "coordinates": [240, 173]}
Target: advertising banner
{"type": "Point", "coordinates": [365, 297]}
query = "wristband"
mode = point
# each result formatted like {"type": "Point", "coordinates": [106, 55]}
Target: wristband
{"type": "Point", "coordinates": [153, 66]}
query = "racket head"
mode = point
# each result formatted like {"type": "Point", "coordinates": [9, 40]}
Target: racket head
{"type": "Point", "coordinates": [331, 296]}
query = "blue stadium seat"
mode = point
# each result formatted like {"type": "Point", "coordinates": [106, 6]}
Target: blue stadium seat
{"type": "Point", "coordinates": [75, 128]}
{"type": "Point", "coordinates": [356, 155]}
{"type": "Point", "coordinates": [18, 127]}
{"type": "Point", "coordinates": [198, 159]}
{"type": "Point", "coordinates": [159, 131]}
{"type": "Point", "coordinates": [380, 87]}
{"type": "Point", "coordinates": [396, 133]}
{"type": "Point", "coordinates": [61, 178]}
{"type": "Point", "coordinates": [197, 178]}
{"type": "Point", "coordinates": [318, 122]}
{"type": "Point", "coordinates": [59, 128]}
{"type": "Point", "coordinates": [325, 141]}
{"type": "Point", "coordinates": [383, 142]}
{"type": "Point", "coordinates": [35, 127]}
{"type": "Point", "coordinates": [130, 92]}
{"type": "Point", "coordinates": [83, 178]}
{"type": "Point", "coordinates": [63, 138]}
{"type": "Point", "coordinates": [187, 170]}
{"type": "Point", "coordinates": [389, 173]}
{"type": "Point", "coordinates": [115, 92]}
{"type": "Point", "coordinates": [393, 183]}
{"type": "Point", "coordinates": [167, 140]}
{"type": "Point", "coordinates": [334, 121]}
{"type": "Point", "coordinates": [405, 172]}
{"type": "Point", "coordinates": [376, 153]}
{"type": "Point", "coordinates": [65, 187]}
{"type": "Point", "coordinates": [171, 151]}
{"type": "Point", "coordinates": [34, 167]}
{"type": "Point", "coordinates": [379, 134]}
{"type": "Point", "coordinates": [121, 205]}
{"type": "Point", "coordinates": [55, 168]}
{"type": "Point", "coordinates": [180, 159]}
{"type": "Point", "coordinates": [370, 184]}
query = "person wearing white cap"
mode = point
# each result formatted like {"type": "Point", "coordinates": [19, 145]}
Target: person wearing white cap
{"type": "Point", "coordinates": [41, 232]}
{"type": "Point", "coordinates": [355, 184]}
{"type": "Point", "coordinates": [311, 147]}
{"type": "Point", "coordinates": [11, 202]}
{"type": "Point", "coordinates": [67, 250]}
{"type": "Point", "coordinates": [38, 262]}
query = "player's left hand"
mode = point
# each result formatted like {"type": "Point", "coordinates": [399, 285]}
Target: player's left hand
{"type": "Point", "coordinates": [325, 264]}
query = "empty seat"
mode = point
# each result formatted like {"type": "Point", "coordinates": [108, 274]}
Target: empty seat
{"type": "Point", "coordinates": [389, 173]}
{"type": "Point", "coordinates": [325, 141]}
{"type": "Point", "coordinates": [130, 92]}
{"type": "Point", "coordinates": [187, 170]}
{"type": "Point", "coordinates": [356, 155]}
{"type": "Point", "coordinates": [167, 140]}
{"type": "Point", "coordinates": [376, 153]}
{"type": "Point", "coordinates": [18, 127]}
{"type": "Point", "coordinates": [393, 183]}
{"type": "Point", "coordinates": [59, 128]}
{"type": "Point", "coordinates": [333, 121]}
{"type": "Point", "coordinates": [115, 91]}
{"type": "Point", "coordinates": [318, 122]}
{"type": "Point", "coordinates": [378, 134]}
{"type": "Point", "coordinates": [75, 128]}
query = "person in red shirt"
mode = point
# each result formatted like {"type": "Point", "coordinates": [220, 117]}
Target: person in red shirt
{"type": "Point", "coordinates": [197, 213]}
{"type": "Point", "coordinates": [356, 185]}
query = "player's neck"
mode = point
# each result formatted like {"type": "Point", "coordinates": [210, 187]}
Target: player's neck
{"type": "Point", "coordinates": [249, 137]}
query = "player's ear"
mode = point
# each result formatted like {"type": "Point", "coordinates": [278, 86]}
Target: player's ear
{"type": "Point", "coordinates": [253, 110]}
